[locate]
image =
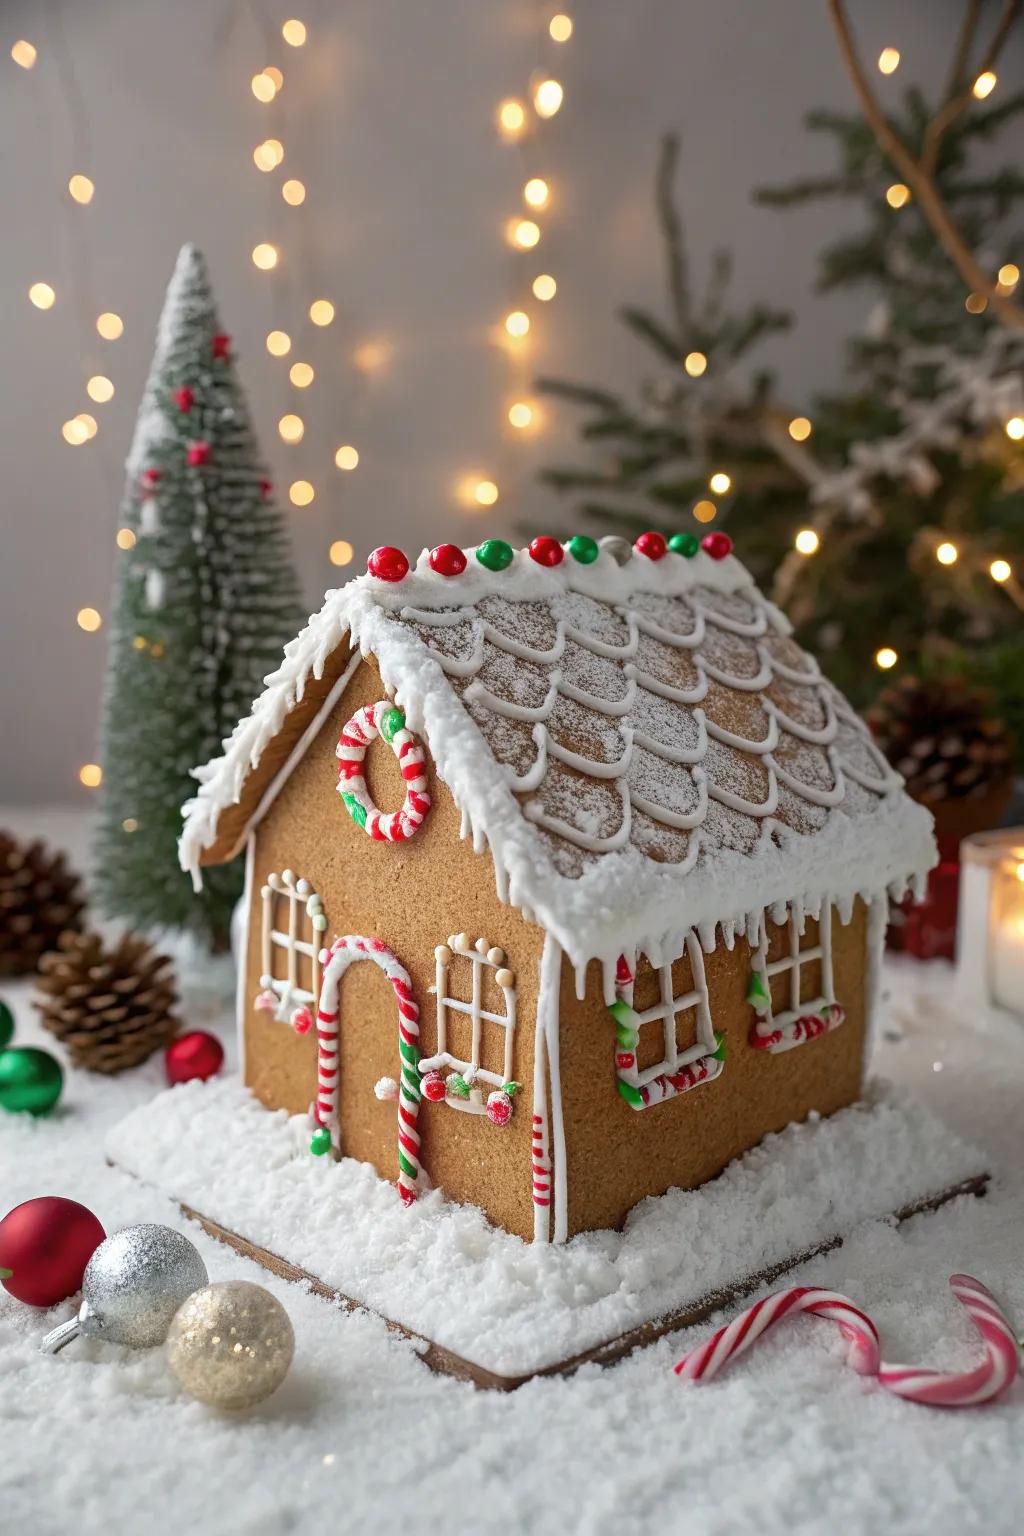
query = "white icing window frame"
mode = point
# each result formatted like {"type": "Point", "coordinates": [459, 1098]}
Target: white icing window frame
{"type": "Point", "coordinates": [481, 956]}
{"type": "Point", "coordinates": [304, 907]}
{"type": "Point", "coordinates": [785, 1022]}
{"type": "Point", "coordinates": [698, 1063]}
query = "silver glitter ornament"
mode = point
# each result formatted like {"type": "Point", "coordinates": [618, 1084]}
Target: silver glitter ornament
{"type": "Point", "coordinates": [621, 550]}
{"type": "Point", "coordinates": [134, 1283]}
{"type": "Point", "coordinates": [230, 1344]}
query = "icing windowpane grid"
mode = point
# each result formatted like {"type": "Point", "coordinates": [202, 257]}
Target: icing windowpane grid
{"type": "Point", "coordinates": [481, 957]}
{"type": "Point", "coordinates": [666, 1011]}
{"type": "Point", "coordinates": [289, 935]}
{"type": "Point", "coordinates": [802, 1020]}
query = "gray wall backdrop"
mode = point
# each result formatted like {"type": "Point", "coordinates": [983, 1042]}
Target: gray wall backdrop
{"type": "Point", "coordinates": [387, 115]}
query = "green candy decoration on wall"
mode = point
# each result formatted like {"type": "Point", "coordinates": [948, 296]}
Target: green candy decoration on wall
{"type": "Point", "coordinates": [30, 1080]}
{"type": "Point", "coordinates": [6, 1025]}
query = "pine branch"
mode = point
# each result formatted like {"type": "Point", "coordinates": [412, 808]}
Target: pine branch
{"type": "Point", "coordinates": [959, 97]}
{"type": "Point", "coordinates": [652, 330]}
{"type": "Point", "coordinates": [672, 237]}
{"type": "Point", "coordinates": [808, 188]}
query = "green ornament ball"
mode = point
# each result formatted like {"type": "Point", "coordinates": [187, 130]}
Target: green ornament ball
{"type": "Point", "coordinates": [320, 1141]}
{"type": "Point", "coordinates": [6, 1025]}
{"type": "Point", "coordinates": [583, 549]}
{"type": "Point", "coordinates": [684, 544]}
{"type": "Point", "coordinates": [495, 554]}
{"type": "Point", "coordinates": [30, 1080]}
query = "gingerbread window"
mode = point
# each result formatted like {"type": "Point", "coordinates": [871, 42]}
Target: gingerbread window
{"type": "Point", "coordinates": [677, 1067]}
{"type": "Point", "coordinates": [476, 1020]}
{"type": "Point", "coordinates": [293, 930]}
{"type": "Point", "coordinates": [792, 985]}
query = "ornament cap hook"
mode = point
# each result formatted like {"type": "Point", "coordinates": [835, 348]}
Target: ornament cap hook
{"type": "Point", "coordinates": [63, 1334]}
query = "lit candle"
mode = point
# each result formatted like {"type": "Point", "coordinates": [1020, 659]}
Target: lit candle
{"type": "Point", "coordinates": [1006, 941]}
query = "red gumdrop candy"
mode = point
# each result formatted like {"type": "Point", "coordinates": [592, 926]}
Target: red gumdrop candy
{"type": "Point", "coordinates": [546, 551]}
{"type": "Point", "coordinates": [433, 1087]}
{"type": "Point", "coordinates": [717, 545]}
{"type": "Point", "coordinates": [447, 560]}
{"type": "Point", "coordinates": [387, 563]}
{"type": "Point", "coordinates": [46, 1244]}
{"type": "Point", "coordinates": [652, 545]}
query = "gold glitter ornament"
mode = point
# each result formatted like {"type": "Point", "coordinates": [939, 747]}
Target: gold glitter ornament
{"type": "Point", "coordinates": [230, 1344]}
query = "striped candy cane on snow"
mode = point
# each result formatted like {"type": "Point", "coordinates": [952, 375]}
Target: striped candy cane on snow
{"type": "Point", "coordinates": [704, 1362]}
{"type": "Point", "coordinates": [336, 962]}
{"type": "Point", "coordinates": [385, 720]}
{"type": "Point", "coordinates": [962, 1389]}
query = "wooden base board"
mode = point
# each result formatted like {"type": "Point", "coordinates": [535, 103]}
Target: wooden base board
{"type": "Point", "coordinates": [444, 1360]}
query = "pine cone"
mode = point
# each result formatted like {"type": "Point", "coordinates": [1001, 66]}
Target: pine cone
{"type": "Point", "coordinates": [111, 1008]}
{"type": "Point", "coordinates": [940, 734]}
{"type": "Point", "coordinates": [40, 897]}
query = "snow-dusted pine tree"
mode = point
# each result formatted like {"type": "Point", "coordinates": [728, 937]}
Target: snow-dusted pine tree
{"type": "Point", "coordinates": [206, 596]}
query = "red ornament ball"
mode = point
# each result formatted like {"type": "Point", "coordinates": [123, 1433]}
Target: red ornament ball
{"type": "Point", "coordinates": [184, 398]}
{"type": "Point", "coordinates": [45, 1245]}
{"type": "Point", "coordinates": [547, 551]}
{"type": "Point", "coordinates": [198, 453]}
{"type": "Point", "coordinates": [433, 1087]}
{"type": "Point", "coordinates": [447, 560]}
{"type": "Point", "coordinates": [652, 545]}
{"type": "Point", "coordinates": [499, 1107]}
{"type": "Point", "coordinates": [717, 545]}
{"type": "Point", "coordinates": [221, 346]}
{"type": "Point", "coordinates": [195, 1055]}
{"type": "Point", "coordinates": [388, 563]}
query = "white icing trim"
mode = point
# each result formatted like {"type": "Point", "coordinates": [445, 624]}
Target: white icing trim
{"type": "Point", "coordinates": [242, 979]}
{"type": "Point", "coordinates": [479, 955]}
{"type": "Point", "coordinates": [549, 1021]}
{"type": "Point", "coordinates": [540, 1139]}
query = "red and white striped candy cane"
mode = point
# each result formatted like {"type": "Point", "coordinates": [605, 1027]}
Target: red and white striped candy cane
{"type": "Point", "coordinates": [338, 959]}
{"type": "Point", "coordinates": [385, 720]}
{"type": "Point", "coordinates": [962, 1389]}
{"type": "Point", "coordinates": [735, 1338]}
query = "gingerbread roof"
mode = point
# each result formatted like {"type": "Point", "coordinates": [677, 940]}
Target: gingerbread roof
{"type": "Point", "coordinates": [642, 746]}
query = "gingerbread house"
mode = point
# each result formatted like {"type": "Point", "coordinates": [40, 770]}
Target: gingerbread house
{"type": "Point", "coordinates": [567, 875]}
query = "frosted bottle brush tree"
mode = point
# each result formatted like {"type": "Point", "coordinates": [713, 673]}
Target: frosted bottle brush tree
{"type": "Point", "coordinates": [206, 596]}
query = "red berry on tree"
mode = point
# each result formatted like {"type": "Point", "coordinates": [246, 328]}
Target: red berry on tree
{"type": "Point", "coordinates": [266, 487]}
{"type": "Point", "coordinates": [195, 1055]}
{"type": "Point", "coordinates": [221, 346]}
{"type": "Point", "coordinates": [717, 545]}
{"type": "Point", "coordinates": [546, 551]}
{"type": "Point", "coordinates": [198, 453]}
{"type": "Point", "coordinates": [184, 398]}
{"type": "Point", "coordinates": [150, 478]}
{"type": "Point", "coordinates": [447, 560]}
{"type": "Point", "coordinates": [45, 1245]}
{"type": "Point", "coordinates": [388, 563]}
{"type": "Point", "coordinates": [652, 545]}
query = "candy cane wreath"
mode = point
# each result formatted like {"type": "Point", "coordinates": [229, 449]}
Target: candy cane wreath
{"type": "Point", "coordinates": [385, 720]}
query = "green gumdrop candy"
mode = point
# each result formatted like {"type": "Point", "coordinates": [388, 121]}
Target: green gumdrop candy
{"type": "Point", "coordinates": [495, 554]}
{"type": "Point", "coordinates": [391, 723]}
{"type": "Point", "coordinates": [6, 1025]}
{"type": "Point", "coordinates": [30, 1080]}
{"type": "Point", "coordinates": [686, 544]}
{"type": "Point", "coordinates": [583, 549]}
{"type": "Point", "coordinates": [320, 1141]}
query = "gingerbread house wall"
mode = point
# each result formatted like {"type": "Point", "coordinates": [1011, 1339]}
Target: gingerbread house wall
{"type": "Point", "coordinates": [413, 896]}
{"type": "Point", "coordinates": [617, 1155]}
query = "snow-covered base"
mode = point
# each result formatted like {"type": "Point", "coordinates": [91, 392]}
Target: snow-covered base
{"type": "Point", "coordinates": [510, 1307]}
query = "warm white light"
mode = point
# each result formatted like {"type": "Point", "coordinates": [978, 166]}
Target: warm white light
{"type": "Point", "coordinates": [341, 552]}
{"type": "Point", "coordinates": [985, 84]}
{"type": "Point", "coordinates": [125, 538]}
{"type": "Point", "coordinates": [74, 432]}
{"type": "Point", "coordinates": [705, 511]}
{"type": "Point", "coordinates": [300, 493]}
{"type": "Point", "coordinates": [976, 303]}
{"type": "Point", "coordinates": [799, 429]}
{"type": "Point", "coordinates": [87, 423]}
{"type": "Point", "coordinates": [263, 87]}
{"type": "Point", "coordinates": [293, 192]}
{"type": "Point", "coordinates": [88, 619]}
{"type": "Point", "coordinates": [517, 323]}
{"type": "Point", "coordinates": [537, 192]}
{"type": "Point", "coordinates": [91, 775]}
{"type": "Point", "coordinates": [42, 295]}
{"type": "Point", "coordinates": [719, 482]}
{"type": "Point", "coordinates": [301, 375]}
{"type": "Point", "coordinates": [521, 414]}
{"type": "Point", "coordinates": [291, 428]}
{"type": "Point", "coordinates": [346, 457]}
{"type": "Point", "coordinates": [512, 118]}
{"type": "Point", "coordinates": [129, 824]}
{"type": "Point", "coordinates": [81, 189]}
{"type": "Point", "coordinates": [886, 658]}
{"type": "Point", "coordinates": [1015, 428]}
{"type": "Point", "coordinates": [889, 60]}
{"type": "Point", "coordinates": [24, 53]}
{"type": "Point", "coordinates": [485, 493]}
{"type": "Point", "coordinates": [1000, 570]}
{"type": "Point", "coordinates": [1009, 274]}
{"type": "Point", "coordinates": [274, 75]}
{"type": "Point", "coordinates": [294, 33]}
{"type": "Point", "coordinates": [897, 195]}
{"type": "Point", "coordinates": [371, 355]}
{"type": "Point", "coordinates": [321, 311]}
{"type": "Point", "coordinates": [269, 154]}
{"type": "Point", "coordinates": [560, 28]}
{"type": "Point", "coordinates": [947, 554]}
{"type": "Point", "coordinates": [807, 542]}
{"type": "Point", "coordinates": [109, 325]}
{"type": "Point", "coordinates": [695, 364]}
{"type": "Point", "coordinates": [544, 287]}
{"type": "Point", "coordinates": [547, 98]}
{"type": "Point", "coordinates": [264, 256]}
{"type": "Point", "coordinates": [524, 233]}
{"type": "Point", "coordinates": [279, 343]}
{"type": "Point", "coordinates": [100, 389]}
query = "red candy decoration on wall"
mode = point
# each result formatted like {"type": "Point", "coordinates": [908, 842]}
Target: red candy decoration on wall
{"type": "Point", "coordinates": [717, 545]}
{"type": "Point", "coordinates": [45, 1245]}
{"type": "Point", "coordinates": [652, 545]}
{"type": "Point", "coordinates": [447, 560]}
{"type": "Point", "coordinates": [388, 563]}
{"type": "Point", "coordinates": [433, 1087]}
{"type": "Point", "coordinates": [547, 551]}
{"type": "Point", "coordinates": [195, 1055]}
{"type": "Point", "coordinates": [198, 453]}
{"type": "Point", "coordinates": [184, 398]}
